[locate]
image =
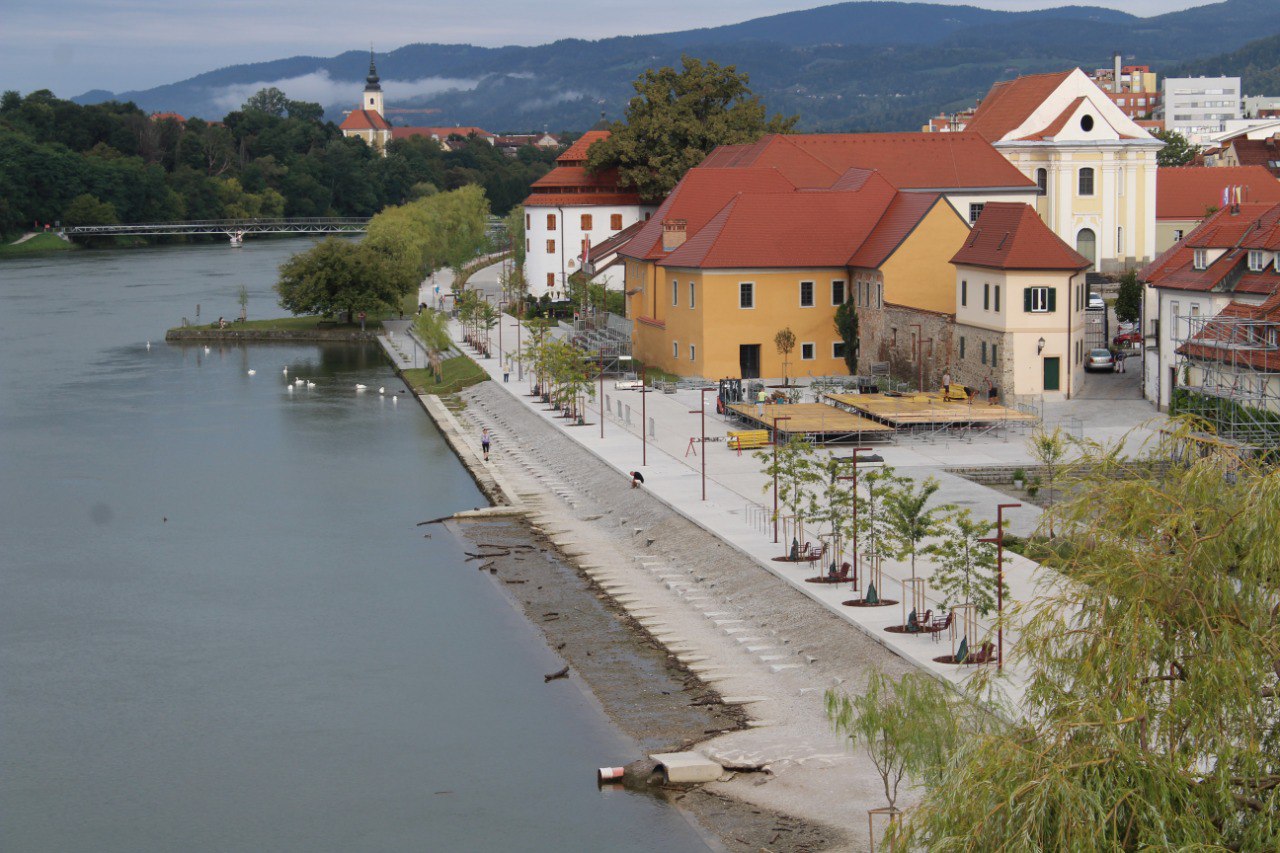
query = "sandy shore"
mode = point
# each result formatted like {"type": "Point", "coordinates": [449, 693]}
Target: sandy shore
{"type": "Point", "coordinates": [759, 643]}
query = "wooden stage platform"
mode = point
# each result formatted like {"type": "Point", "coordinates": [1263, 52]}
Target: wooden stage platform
{"type": "Point", "coordinates": [922, 410]}
{"type": "Point", "coordinates": [815, 421]}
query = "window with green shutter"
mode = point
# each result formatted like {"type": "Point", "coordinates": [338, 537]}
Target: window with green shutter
{"type": "Point", "coordinates": [1040, 300]}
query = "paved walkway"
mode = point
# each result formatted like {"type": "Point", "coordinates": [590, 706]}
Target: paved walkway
{"type": "Point", "coordinates": [738, 504]}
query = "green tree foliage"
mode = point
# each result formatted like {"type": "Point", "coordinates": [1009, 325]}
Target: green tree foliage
{"type": "Point", "coordinates": [338, 276]}
{"type": "Point", "coordinates": [87, 210]}
{"type": "Point", "coordinates": [1051, 448]}
{"type": "Point", "coordinates": [909, 520]}
{"type": "Point", "coordinates": [1177, 151]}
{"type": "Point", "coordinates": [1129, 298]}
{"type": "Point", "coordinates": [676, 118]}
{"type": "Point", "coordinates": [797, 473]}
{"type": "Point", "coordinates": [1149, 717]}
{"type": "Point", "coordinates": [282, 156]}
{"type": "Point", "coordinates": [785, 343]}
{"type": "Point", "coordinates": [847, 329]}
{"type": "Point", "coordinates": [966, 572]}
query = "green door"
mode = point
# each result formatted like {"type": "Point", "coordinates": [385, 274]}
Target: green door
{"type": "Point", "coordinates": [1051, 374]}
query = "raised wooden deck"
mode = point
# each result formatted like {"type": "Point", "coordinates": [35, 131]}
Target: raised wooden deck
{"type": "Point", "coordinates": [927, 409]}
{"type": "Point", "coordinates": [817, 421]}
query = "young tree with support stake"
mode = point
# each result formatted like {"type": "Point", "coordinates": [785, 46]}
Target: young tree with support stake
{"type": "Point", "coordinates": [909, 520]}
{"type": "Point", "coordinates": [796, 475]}
{"type": "Point", "coordinates": [832, 508]}
{"type": "Point", "coordinates": [785, 341]}
{"type": "Point", "coordinates": [966, 572]}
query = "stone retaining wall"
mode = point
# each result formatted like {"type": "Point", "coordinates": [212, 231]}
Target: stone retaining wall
{"type": "Point", "coordinates": [273, 335]}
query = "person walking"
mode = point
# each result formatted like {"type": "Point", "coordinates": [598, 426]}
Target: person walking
{"type": "Point", "coordinates": [761, 397]}
{"type": "Point", "coordinates": [1119, 359]}
{"type": "Point", "coordinates": [484, 442]}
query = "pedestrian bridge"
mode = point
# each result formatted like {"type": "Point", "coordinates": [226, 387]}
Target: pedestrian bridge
{"type": "Point", "coordinates": [234, 229]}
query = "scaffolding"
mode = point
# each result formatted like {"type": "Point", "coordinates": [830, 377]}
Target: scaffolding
{"type": "Point", "coordinates": [1227, 373]}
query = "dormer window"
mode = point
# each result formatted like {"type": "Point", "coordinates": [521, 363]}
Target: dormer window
{"type": "Point", "coordinates": [1256, 261]}
{"type": "Point", "coordinates": [1086, 123]}
{"type": "Point", "coordinates": [1199, 260]}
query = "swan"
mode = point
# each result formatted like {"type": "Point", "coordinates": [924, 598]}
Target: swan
{"type": "Point", "coordinates": [253, 372]}
{"type": "Point", "coordinates": [286, 371]}
{"type": "Point", "coordinates": [360, 387]}
{"type": "Point", "coordinates": [382, 389]}
{"type": "Point", "coordinates": [299, 381]}
{"type": "Point", "coordinates": [290, 387]}
{"type": "Point", "coordinates": [206, 350]}
{"type": "Point", "coordinates": [395, 399]}
{"type": "Point", "coordinates": [148, 346]}
{"type": "Point", "coordinates": [310, 384]}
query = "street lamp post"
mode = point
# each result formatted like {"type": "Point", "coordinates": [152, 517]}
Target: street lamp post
{"type": "Point", "coordinates": [602, 392]}
{"type": "Point", "coordinates": [775, 474]}
{"type": "Point", "coordinates": [519, 350]}
{"type": "Point", "coordinates": [644, 420]}
{"type": "Point", "coordinates": [501, 355]}
{"type": "Point", "coordinates": [998, 541]}
{"type": "Point", "coordinates": [702, 410]}
{"type": "Point", "coordinates": [854, 478]}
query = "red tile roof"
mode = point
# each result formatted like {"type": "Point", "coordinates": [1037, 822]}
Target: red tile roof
{"type": "Point", "coordinates": [1258, 152]}
{"type": "Point", "coordinates": [582, 199]}
{"type": "Point", "coordinates": [1187, 192]}
{"type": "Point", "coordinates": [577, 153]}
{"type": "Point", "coordinates": [934, 161]}
{"type": "Point", "coordinates": [577, 176]}
{"type": "Point", "coordinates": [1237, 343]}
{"type": "Point", "coordinates": [609, 245]}
{"type": "Point", "coordinates": [1055, 127]}
{"type": "Point", "coordinates": [787, 230]}
{"type": "Point", "coordinates": [1236, 229]}
{"type": "Point", "coordinates": [1012, 237]}
{"type": "Point", "coordinates": [904, 213]}
{"type": "Point", "coordinates": [364, 120]}
{"type": "Point", "coordinates": [441, 132]}
{"type": "Point", "coordinates": [1011, 102]}
{"type": "Point", "coordinates": [699, 196]}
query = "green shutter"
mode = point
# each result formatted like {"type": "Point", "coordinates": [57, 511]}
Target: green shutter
{"type": "Point", "coordinates": [1053, 299]}
{"type": "Point", "coordinates": [1026, 299]}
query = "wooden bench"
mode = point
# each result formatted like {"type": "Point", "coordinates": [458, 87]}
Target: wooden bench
{"type": "Point", "coordinates": [748, 439]}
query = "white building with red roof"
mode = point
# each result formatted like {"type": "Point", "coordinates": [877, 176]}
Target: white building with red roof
{"type": "Point", "coordinates": [1185, 195]}
{"type": "Point", "coordinates": [570, 208]}
{"type": "Point", "coordinates": [369, 122]}
{"type": "Point", "coordinates": [1095, 166]}
{"type": "Point", "coordinates": [1233, 257]}
{"type": "Point", "coordinates": [1020, 306]}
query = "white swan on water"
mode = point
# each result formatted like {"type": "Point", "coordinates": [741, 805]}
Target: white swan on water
{"type": "Point", "coordinates": [290, 387]}
{"type": "Point", "coordinates": [286, 371]}
{"type": "Point", "coordinates": [253, 373]}
{"type": "Point", "coordinates": [148, 346]}
{"type": "Point", "coordinates": [382, 389]}
{"type": "Point", "coordinates": [360, 387]}
{"type": "Point", "coordinates": [206, 350]}
{"type": "Point", "coordinates": [310, 384]}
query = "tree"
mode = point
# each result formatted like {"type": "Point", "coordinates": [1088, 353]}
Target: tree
{"type": "Point", "coordinates": [339, 276]}
{"type": "Point", "coordinates": [242, 297]}
{"type": "Point", "coordinates": [675, 119]}
{"type": "Point", "coordinates": [305, 111]}
{"type": "Point", "coordinates": [1050, 449]}
{"type": "Point", "coordinates": [906, 727]}
{"type": "Point", "coordinates": [873, 521]}
{"type": "Point", "coordinates": [433, 330]}
{"type": "Point", "coordinates": [1177, 151]}
{"type": "Point", "coordinates": [832, 508]}
{"type": "Point", "coordinates": [793, 466]}
{"type": "Point", "coordinates": [1129, 298]}
{"type": "Point", "coordinates": [270, 101]}
{"type": "Point", "coordinates": [847, 329]}
{"type": "Point", "coordinates": [909, 520]}
{"type": "Point", "coordinates": [85, 209]}
{"type": "Point", "coordinates": [1149, 715]}
{"type": "Point", "coordinates": [966, 572]}
{"type": "Point", "coordinates": [785, 341]}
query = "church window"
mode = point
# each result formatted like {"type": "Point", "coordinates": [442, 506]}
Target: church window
{"type": "Point", "coordinates": [1086, 123]}
{"type": "Point", "coordinates": [1086, 181]}
{"type": "Point", "coordinates": [1042, 181]}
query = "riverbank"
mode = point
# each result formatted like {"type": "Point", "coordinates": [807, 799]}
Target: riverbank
{"type": "Point", "coordinates": [35, 243]}
{"type": "Point", "coordinates": [283, 330]}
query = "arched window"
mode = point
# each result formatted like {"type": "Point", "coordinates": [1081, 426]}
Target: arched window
{"type": "Point", "coordinates": [1087, 245]}
{"type": "Point", "coordinates": [1086, 181]}
{"type": "Point", "coordinates": [1042, 181]}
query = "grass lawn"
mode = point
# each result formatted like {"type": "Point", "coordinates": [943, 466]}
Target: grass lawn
{"type": "Point", "coordinates": [456, 373]}
{"type": "Point", "coordinates": [43, 242]}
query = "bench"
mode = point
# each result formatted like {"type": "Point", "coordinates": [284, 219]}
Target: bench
{"type": "Point", "coordinates": [748, 439]}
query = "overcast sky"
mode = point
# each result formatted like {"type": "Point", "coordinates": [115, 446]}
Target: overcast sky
{"type": "Point", "coordinates": [77, 45]}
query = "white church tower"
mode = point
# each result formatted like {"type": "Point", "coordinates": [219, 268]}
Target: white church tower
{"type": "Point", "coordinates": [372, 90]}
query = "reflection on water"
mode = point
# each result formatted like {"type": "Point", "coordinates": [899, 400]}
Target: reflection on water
{"type": "Point", "coordinates": [220, 627]}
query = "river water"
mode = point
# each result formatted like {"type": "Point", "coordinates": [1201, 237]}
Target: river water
{"type": "Point", "coordinates": [220, 628]}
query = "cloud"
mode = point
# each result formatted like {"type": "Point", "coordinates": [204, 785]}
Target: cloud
{"type": "Point", "coordinates": [320, 88]}
{"type": "Point", "coordinates": [559, 97]}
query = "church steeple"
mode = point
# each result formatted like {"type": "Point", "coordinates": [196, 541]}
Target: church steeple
{"type": "Point", "coordinates": [372, 89]}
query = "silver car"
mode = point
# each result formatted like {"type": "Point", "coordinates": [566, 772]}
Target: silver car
{"type": "Point", "coordinates": [1099, 359]}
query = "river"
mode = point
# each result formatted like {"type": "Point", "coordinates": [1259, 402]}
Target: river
{"type": "Point", "coordinates": [220, 628]}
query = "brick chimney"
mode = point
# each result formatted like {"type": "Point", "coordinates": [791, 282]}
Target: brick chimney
{"type": "Point", "coordinates": [674, 233]}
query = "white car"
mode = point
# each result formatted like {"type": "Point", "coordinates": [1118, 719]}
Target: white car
{"type": "Point", "coordinates": [1096, 303]}
{"type": "Point", "coordinates": [628, 385]}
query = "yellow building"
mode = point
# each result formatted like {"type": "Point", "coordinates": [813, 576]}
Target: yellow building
{"type": "Point", "coordinates": [1095, 166]}
{"type": "Point", "coordinates": [736, 255]}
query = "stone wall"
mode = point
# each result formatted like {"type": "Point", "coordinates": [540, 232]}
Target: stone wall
{"type": "Point", "coordinates": [970, 369]}
{"type": "Point", "coordinates": [888, 334]}
{"type": "Point", "coordinates": [239, 336]}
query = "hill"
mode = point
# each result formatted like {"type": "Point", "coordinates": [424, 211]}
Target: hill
{"type": "Point", "coordinates": [1257, 64]}
{"type": "Point", "coordinates": [851, 66]}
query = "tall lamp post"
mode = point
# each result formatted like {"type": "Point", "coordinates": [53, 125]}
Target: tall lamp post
{"type": "Point", "coordinates": [775, 474]}
{"type": "Point", "coordinates": [501, 354]}
{"type": "Point", "coordinates": [998, 541]}
{"type": "Point", "coordinates": [855, 460]}
{"type": "Point", "coordinates": [601, 352]}
{"type": "Point", "coordinates": [644, 420]}
{"type": "Point", "coordinates": [702, 410]}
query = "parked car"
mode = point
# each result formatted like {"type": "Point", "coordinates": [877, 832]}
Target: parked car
{"type": "Point", "coordinates": [1096, 303]}
{"type": "Point", "coordinates": [1099, 359]}
{"type": "Point", "coordinates": [1123, 327]}
{"type": "Point", "coordinates": [1125, 339]}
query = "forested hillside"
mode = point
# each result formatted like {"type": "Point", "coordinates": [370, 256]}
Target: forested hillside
{"type": "Point", "coordinates": [107, 163]}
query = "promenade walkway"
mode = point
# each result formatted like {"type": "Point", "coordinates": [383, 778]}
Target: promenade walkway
{"type": "Point", "coordinates": [739, 502]}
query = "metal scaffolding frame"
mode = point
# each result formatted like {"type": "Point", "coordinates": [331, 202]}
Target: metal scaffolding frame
{"type": "Point", "coordinates": [1228, 368]}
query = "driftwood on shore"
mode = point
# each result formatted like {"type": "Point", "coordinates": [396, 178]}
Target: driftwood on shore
{"type": "Point", "coordinates": [563, 673]}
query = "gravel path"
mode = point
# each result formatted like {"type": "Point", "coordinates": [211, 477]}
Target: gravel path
{"type": "Point", "coordinates": [745, 632]}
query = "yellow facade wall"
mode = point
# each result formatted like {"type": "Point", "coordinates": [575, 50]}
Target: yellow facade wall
{"type": "Point", "coordinates": [919, 273]}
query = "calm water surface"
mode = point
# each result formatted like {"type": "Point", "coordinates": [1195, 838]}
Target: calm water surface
{"type": "Point", "coordinates": [220, 628]}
